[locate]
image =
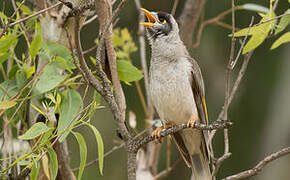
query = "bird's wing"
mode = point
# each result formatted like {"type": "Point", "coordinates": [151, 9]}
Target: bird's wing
{"type": "Point", "coordinates": [198, 91]}
{"type": "Point", "coordinates": [199, 97]}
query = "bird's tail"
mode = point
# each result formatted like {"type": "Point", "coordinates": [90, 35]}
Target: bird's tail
{"type": "Point", "coordinates": [200, 167]}
{"type": "Point", "coordinates": [191, 144]}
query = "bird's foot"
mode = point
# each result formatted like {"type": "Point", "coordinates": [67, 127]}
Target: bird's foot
{"type": "Point", "coordinates": [156, 133]}
{"type": "Point", "coordinates": [192, 120]}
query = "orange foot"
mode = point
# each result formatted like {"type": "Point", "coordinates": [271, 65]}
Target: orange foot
{"type": "Point", "coordinates": [156, 133]}
{"type": "Point", "coordinates": [192, 120]}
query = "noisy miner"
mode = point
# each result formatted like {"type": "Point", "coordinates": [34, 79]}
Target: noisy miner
{"type": "Point", "coordinates": [177, 91]}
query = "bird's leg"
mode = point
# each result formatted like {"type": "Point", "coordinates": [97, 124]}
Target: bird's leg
{"type": "Point", "coordinates": [157, 131]}
{"type": "Point", "coordinates": [193, 118]}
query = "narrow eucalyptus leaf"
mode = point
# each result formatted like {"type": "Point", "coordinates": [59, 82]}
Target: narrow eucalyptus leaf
{"type": "Point", "coordinates": [34, 131]}
{"type": "Point", "coordinates": [83, 153]}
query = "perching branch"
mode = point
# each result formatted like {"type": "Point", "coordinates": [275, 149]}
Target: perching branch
{"type": "Point", "coordinates": [255, 170]}
{"type": "Point", "coordinates": [174, 129]}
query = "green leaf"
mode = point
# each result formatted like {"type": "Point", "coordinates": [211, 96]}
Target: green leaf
{"type": "Point", "coordinates": [117, 40]}
{"type": "Point", "coordinates": [284, 21]}
{"type": "Point", "coordinates": [4, 56]}
{"type": "Point", "coordinates": [100, 147]}
{"type": "Point", "coordinates": [34, 172]}
{"type": "Point", "coordinates": [281, 40]}
{"type": "Point", "coordinates": [63, 64]}
{"type": "Point", "coordinates": [97, 98]}
{"type": "Point", "coordinates": [8, 89]}
{"type": "Point", "coordinates": [247, 31]}
{"type": "Point", "coordinates": [70, 105]}
{"type": "Point", "coordinates": [36, 130]}
{"type": "Point", "coordinates": [35, 45]}
{"type": "Point", "coordinates": [20, 78]}
{"type": "Point", "coordinates": [49, 79]}
{"type": "Point", "coordinates": [255, 7]}
{"type": "Point", "coordinates": [52, 51]}
{"type": "Point", "coordinates": [29, 70]}
{"type": "Point", "coordinates": [122, 55]}
{"type": "Point", "coordinates": [7, 104]}
{"type": "Point", "coordinates": [7, 41]}
{"type": "Point", "coordinates": [25, 10]}
{"type": "Point", "coordinates": [46, 135]}
{"type": "Point", "coordinates": [83, 153]}
{"type": "Point", "coordinates": [55, 49]}
{"type": "Point", "coordinates": [260, 35]}
{"type": "Point", "coordinates": [125, 34]}
{"type": "Point", "coordinates": [127, 72]}
{"type": "Point", "coordinates": [53, 163]}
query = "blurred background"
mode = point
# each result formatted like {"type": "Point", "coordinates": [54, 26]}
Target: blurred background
{"type": "Point", "coordinates": [260, 109]}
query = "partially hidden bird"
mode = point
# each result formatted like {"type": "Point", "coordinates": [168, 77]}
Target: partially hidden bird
{"type": "Point", "coordinates": [176, 89]}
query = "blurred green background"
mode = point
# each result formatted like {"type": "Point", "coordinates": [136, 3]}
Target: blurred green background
{"type": "Point", "coordinates": [260, 109]}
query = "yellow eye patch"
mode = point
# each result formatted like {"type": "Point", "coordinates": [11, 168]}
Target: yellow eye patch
{"type": "Point", "coordinates": [164, 21]}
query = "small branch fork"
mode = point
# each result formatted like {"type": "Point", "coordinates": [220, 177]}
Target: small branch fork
{"type": "Point", "coordinates": [255, 170]}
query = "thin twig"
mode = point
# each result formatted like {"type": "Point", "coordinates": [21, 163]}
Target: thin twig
{"type": "Point", "coordinates": [5, 27]}
{"type": "Point", "coordinates": [90, 20]}
{"type": "Point", "coordinates": [227, 153]}
{"type": "Point", "coordinates": [165, 172]}
{"type": "Point", "coordinates": [173, 10]}
{"type": "Point", "coordinates": [233, 63]}
{"type": "Point", "coordinates": [35, 14]}
{"type": "Point", "coordinates": [255, 170]}
{"type": "Point", "coordinates": [110, 151]}
{"type": "Point", "coordinates": [105, 155]}
{"type": "Point", "coordinates": [90, 49]}
{"type": "Point", "coordinates": [211, 21]}
{"type": "Point", "coordinates": [141, 33]}
{"type": "Point", "coordinates": [19, 93]}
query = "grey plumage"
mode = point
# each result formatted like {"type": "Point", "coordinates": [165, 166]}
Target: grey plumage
{"type": "Point", "coordinates": [177, 90]}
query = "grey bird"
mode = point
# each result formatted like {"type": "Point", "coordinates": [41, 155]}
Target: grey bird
{"type": "Point", "coordinates": [177, 91]}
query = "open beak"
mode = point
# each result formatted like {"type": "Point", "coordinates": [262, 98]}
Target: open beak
{"type": "Point", "coordinates": [152, 20]}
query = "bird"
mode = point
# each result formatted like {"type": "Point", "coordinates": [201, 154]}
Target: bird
{"type": "Point", "coordinates": [176, 89]}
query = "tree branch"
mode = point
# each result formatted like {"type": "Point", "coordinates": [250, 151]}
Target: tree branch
{"type": "Point", "coordinates": [35, 14]}
{"type": "Point", "coordinates": [174, 129]}
{"type": "Point", "coordinates": [255, 170]}
{"type": "Point", "coordinates": [188, 20]}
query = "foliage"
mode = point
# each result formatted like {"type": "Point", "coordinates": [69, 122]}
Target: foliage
{"type": "Point", "coordinates": [50, 88]}
{"type": "Point", "coordinates": [265, 28]}
{"type": "Point", "coordinates": [124, 47]}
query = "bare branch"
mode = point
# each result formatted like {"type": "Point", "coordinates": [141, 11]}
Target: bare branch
{"type": "Point", "coordinates": [167, 171]}
{"type": "Point", "coordinates": [188, 20]}
{"type": "Point", "coordinates": [35, 14]}
{"type": "Point", "coordinates": [212, 21]}
{"type": "Point", "coordinates": [174, 7]}
{"type": "Point", "coordinates": [141, 33]}
{"type": "Point", "coordinates": [106, 19]}
{"type": "Point", "coordinates": [227, 153]}
{"type": "Point", "coordinates": [255, 170]}
{"type": "Point", "coordinates": [174, 129]}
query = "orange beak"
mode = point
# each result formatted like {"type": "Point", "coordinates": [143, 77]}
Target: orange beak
{"type": "Point", "coordinates": [152, 20]}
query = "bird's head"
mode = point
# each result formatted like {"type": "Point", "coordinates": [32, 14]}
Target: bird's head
{"type": "Point", "coordinates": [160, 26]}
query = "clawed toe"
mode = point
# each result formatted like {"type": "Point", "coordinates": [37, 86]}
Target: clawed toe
{"type": "Point", "coordinates": [191, 121]}
{"type": "Point", "coordinates": [156, 134]}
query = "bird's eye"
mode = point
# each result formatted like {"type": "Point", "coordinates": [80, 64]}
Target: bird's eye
{"type": "Point", "coordinates": [162, 20]}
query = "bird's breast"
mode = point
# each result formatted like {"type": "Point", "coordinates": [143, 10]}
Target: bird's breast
{"type": "Point", "coordinates": [171, 91]}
